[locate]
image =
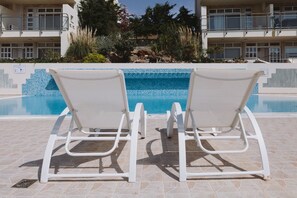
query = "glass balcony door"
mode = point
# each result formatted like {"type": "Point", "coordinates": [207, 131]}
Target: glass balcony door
{"type": "Point", "coordinates": [224, 19]}
{"type": "Point", "coordinates": [44, 19]}
{"type": "Point", "coordinates": [50, 21]}
{"type": "Point", "coordinates": [217, 22]}
{"type": "Point", "coordinates": [232, 22]}
{"type": "Point", "coordinates": [225, 22]}
{"type": "Point", "coordinates": [274, 54]}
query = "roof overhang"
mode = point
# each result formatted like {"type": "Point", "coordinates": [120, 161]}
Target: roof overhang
{"type": "Point", "coordinates": [242, 2]}
{"type": "Point", "coordinates": [37, 2]}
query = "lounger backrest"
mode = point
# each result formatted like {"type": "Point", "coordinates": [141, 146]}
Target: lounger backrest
{"type": "Point", "coordinates": [96, 98]}
{"type": "Point", "coordinates": [217, 95]}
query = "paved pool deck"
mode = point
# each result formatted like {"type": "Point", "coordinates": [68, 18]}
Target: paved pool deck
{"type": "Point", "coordinates": [23, 141]}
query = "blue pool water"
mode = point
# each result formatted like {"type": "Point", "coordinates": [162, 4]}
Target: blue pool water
{"type": "Point", "coordinates": [157, 89]}
{"type": "Point", "coordinates": [53, 105]}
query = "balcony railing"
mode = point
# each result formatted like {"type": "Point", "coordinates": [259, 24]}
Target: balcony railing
{"type": "Point", "coordinates": [42, 22]}
{"type": "Point", "coordinates": [224, 22]}
{"type": "Point", "coordinates": [285, 20]}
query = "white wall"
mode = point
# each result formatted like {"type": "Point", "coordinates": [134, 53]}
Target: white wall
{"type": "Point", "coordinates": [16, 11]}
{"type": "Point", "coordinates": [73, 24]}
{"type": "Point", "coordinates": [20, 78]}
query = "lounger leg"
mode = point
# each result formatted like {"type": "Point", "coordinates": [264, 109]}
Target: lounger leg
{"type": "Point", "coordinates": [50, 146]}
{"type": "Point", "coordinates": [47, 158]}
{"type": "Point", "coordinates": [262, 147]}
{"type": "Point", "coordinates": [170, 122]}
{"type": "Point", "coordinates": [264, 156]}
{"type": "Point", "coordinates": [133, 156]}
{"type": "Point", "coordinates": [143, 124]}
{"type": "Point", "coordinates": [263, 151]}
{"type": "Point", "coordinates": [177, 110]}
{"type": "Point", "coordinates": [182, 156]}
{"type": "Point", "coordinates": [139, 116]}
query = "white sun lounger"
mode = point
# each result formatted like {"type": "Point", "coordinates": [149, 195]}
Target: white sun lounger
{"type": "Point", "coordinates": [96, 99]}
{"type": "Point", "coordinates": [215, 102]}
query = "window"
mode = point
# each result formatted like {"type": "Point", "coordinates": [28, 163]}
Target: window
{"type": "Point", "coordinates": [231, 53]}
{"type": "Point", "coordinates": [263, 44]}
{"type": "Point", "coordinates": [44, 18]}
{"type": "Point", "coordinates": [276, 9]}
{"type": "Point", "coordinates": [44, 49]}
{"type": "Point", "coordinates": [5, 51]}
{"type": "Point", "coordinates": [251, 52]}
{"type": "Point", "coordinates": [50, 21]}
{"type": "Point", "coordinates": [232, 21]}
{"type": "Point", "coordinates": [17, 50]}
{"type": "Point", "coordinates": [274, 54]}
{"type": "Point", "coordinates": [28, 51]}
{"type": "Point", "coordinates": [30, 19]}
{"type": "Point", "coordinates": [216, 22]}
{"type": "Point", "coordinates": [290, 8]}
{"type": "Point", "coordinates": [224, 19]}
{"type": "Point", "coordinates": [265, 51]}
{"type": "Point", "coordinates": [226, 51]}
{"type": "Point", "coordinates": [291, 52]}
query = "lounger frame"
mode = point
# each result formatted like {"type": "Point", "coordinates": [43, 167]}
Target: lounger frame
{"type": "Point", "coordinates": [190, 132]}
{"type": "Point", "coordinates": [177, 116]}
{"type": "Point", "coordinates": [137, 123]}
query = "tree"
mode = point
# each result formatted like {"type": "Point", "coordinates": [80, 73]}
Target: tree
{"type": "Point", "coordinates": [124, 19]}
{"type": "Point", "coordinates": [136, 25]}
{"type": "Point", "coordinates": [99, 15]}
{"type": "Point", "coordinates": [168, 42]}
{"type": "Point", "coordinates": [184, 18]}
{"type": "Point", "coordinates": [155, 19]}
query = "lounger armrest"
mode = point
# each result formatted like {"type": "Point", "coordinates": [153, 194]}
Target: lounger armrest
{"type": "Point", "coordinates": [176, 115]}
{"type": "Point", "coordinates": [59, 121]}
{"type": "Point", "coordinates": [140, 117]}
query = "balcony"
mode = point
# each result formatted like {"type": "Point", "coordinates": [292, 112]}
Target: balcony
{"type": "Point", "coordinates": [43, 22]}
{"type": "Point", "coordinates": [37, 2]}
{"type": "Point", "coordinates": [285, 21]}
{"type": "Point", "coordinates": [229, 22]}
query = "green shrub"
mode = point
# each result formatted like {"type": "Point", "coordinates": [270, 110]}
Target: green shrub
{"type": "Point", "coordinates": [94, 58]}
{"type": "Point", "coordinates": [82, 43]}
{"type": "Point", "coordinates": [190, 44]}
{"type": "Point", "coordinates": [117, 43]}
{"type": "Point", "coordinates": [124, 45]}
{"type": "Point", "coordinates": [105, 44]}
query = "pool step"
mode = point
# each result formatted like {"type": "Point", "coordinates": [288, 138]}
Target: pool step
{"type": "Point", "coordinates": [5, 81]}
{"type": "Point", "coordinates": [181, 93]}
{"type": "Point", "coordinates": [156, 73]}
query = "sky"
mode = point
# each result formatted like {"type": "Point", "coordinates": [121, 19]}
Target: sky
{"type": "Point", "coordinates": [138, 7]}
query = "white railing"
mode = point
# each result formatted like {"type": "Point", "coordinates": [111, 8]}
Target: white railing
{"type": "Point", "coordinates": [43, 22]}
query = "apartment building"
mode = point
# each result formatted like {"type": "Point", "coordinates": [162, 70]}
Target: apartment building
{"type": "Point", "coordinates": [249, 29]}
{"type": "Point", "coordinates": [32, 28]}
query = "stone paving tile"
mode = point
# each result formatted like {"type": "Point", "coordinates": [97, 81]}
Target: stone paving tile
{"type": "Point", "coordinates": [177, 195]}
{"type": "Point", "coordinates": [152, 187]}
{"type": "Point", "coordinates": [176, 188]}
{"type": "Point", "coordinates": [22, 147]}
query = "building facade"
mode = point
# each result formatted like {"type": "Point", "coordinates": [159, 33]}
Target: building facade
{"type": "Point", "coordinates": [34, 28]}
{"type": "Point", "coordinates": [253, 29]}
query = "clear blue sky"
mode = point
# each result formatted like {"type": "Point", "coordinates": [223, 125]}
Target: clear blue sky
{"type": "Point", "coordinates": [138, 6]}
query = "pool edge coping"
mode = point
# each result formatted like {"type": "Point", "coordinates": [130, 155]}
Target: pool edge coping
{"type": "Point", "coordinates": [149, 116]}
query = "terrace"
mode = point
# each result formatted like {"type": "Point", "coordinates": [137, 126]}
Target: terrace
{"type": "Point", "coordinates": [24, 139]}
{"type": "Point", "coordinates": [42, 22]}
{"type": "Point", "coordinates": [157, 164]}
{"type": "Point", "coordinates": [247, 22]}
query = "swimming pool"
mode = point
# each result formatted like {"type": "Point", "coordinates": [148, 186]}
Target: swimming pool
{"type": "Point", "coordinates": [157, 89]}
{"type": "Point", "coordinates": [53, 105]}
